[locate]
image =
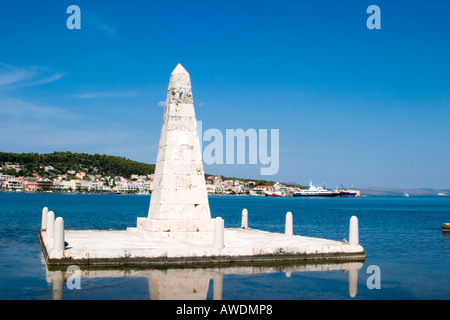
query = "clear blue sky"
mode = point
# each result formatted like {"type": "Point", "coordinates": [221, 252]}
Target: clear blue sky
{"type": "Point", "coordinates": [353, 105]}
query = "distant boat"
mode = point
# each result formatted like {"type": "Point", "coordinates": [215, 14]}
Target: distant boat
{"type": "Point", "coordinates": [257, 193]}
{"type": "Point", "coordinates": [406, 194]}
{"type": "Point", "coordinates": [314, 191]}
{"type": "Point", "coordinates": [346, 192]}
{"type": "Point", "coordinates": [274, 194]}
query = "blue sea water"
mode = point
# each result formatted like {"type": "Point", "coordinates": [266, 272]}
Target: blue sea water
{"type": "Point", "coordinates": [402, 236]}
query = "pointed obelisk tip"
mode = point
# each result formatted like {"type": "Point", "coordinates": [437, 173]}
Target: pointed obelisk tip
{"type": "Point", "coordinates": [179, 87]}
{"type": "Point", "coordinates": [179, 69]}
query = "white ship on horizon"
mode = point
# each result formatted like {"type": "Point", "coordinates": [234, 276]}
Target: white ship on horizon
{"type": "Point", "coordinates": [314, 191]}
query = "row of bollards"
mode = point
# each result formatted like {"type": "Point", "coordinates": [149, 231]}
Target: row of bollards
{"type": "Point", "coordinates": [289, 226]}
{"type": "Point", "coordinates": [54, 229]}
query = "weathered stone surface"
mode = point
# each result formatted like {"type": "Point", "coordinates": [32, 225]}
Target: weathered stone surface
{"type": "Point", "coordinates": [179, 190]}
{"type": "Point", "coordinates": [129, 247]}
{"type": "Point", "coordinates": [179, 91]}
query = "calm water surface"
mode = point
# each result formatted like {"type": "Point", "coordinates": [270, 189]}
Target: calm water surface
{"type": "Point", "coordinates": [402, 236]}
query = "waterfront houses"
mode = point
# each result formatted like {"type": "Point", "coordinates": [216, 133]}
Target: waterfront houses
{"type": "Point", "coordinates": [72, 181]}
{"type": "Point", "coordinates": [215, 185]}
{"type": "Point", "coordinates": [81, 181]}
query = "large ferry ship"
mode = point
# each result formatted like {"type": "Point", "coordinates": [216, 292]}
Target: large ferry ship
{"type": "Point", "coordinates": [314, 191]}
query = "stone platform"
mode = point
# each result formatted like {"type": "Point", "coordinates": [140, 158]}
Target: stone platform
{"type": "Point", "coordinates": [178, 230]}
{"type": "Point", "coordinates": [124, 248]}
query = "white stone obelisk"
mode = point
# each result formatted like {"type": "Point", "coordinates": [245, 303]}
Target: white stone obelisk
{"type": "Point", "coordinates": [179, 201]}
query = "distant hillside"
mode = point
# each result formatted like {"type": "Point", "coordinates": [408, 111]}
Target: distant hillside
{"type": "Point", "coordinates": [65, 161]}
{"type": "Point", "coordinates": [379, 191]}
{"type": "Point", "coordinates": [91, 164]}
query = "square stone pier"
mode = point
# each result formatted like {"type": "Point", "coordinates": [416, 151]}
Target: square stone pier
{"type": "Point", "coordinates": [178, 229]}
{"type": "Point", "coordinates": [112, 248]}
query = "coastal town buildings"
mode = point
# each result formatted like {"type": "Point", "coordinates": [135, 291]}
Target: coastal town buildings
{"type": "Point", "coordinates": [73, 181]}
{"type": "Point", "coordinates": [80, 181]}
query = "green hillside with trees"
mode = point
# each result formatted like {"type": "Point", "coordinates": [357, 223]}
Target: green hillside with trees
{"type": "Point", "coordinates": [105, 165]}
{"type": "Point", "coordinates": [65, 161]}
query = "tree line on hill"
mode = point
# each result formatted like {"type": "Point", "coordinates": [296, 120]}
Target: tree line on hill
{"type": "Point", "coordinates": [62, 162]}
{"type": "Point", "coordinates": [105, 165]}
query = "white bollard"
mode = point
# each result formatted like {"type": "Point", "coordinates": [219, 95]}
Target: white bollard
{"type": "Point", "coordinates": [353, 238]}
{"type": "Point", "coordinates": [219, 233]}
{"type": "Point", "coordinates": [58, 243]}
{"type": "Point", "coordinates": [289, 227]}
{"type": "Point", "coordinates": [58, 285]}
{"type": "Point", "coordinates": [352, 282]}
{"type": "Point", "coordinates": [217, 286]}
{"type": "Point", "coordinates": [244, 223]}
{"type": "Point", "coordinates": [44, 218]}
{"type": "Point", "coordinates": [50, 224]}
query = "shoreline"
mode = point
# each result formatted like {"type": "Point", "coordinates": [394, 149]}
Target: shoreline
{"type": "Point", "coordinates": [222, 195]}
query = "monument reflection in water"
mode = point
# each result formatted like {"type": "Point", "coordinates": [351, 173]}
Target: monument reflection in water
{"type": "Point", "coordinates": [193, 283]}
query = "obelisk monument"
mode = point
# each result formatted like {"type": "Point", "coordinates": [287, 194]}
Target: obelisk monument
{"type": "Point", "coordinates": [179, 202]}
